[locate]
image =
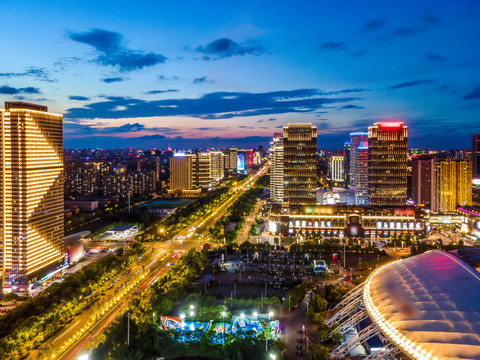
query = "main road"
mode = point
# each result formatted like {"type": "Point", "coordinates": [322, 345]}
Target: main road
{"type": "Point", "coordinates": [83, 330]}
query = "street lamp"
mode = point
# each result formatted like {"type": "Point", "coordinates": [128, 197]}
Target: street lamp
{"type": "Point", "coordinates": [255, 314]}
{"type": "Point", "coordinates": [191, 314]}
{"type": "Point", "coordinates": [270, 314]}
{"type": "Point", "coordinates": [182, 316]}
{"type": "Point", "coordinates": [273, 356]}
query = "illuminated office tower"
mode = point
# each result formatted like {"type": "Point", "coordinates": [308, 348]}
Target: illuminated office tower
{"type": "Point", "coordinates": [361, 175]}
{"type": "Point", "coordinates": [201, 170]}
{"type": "Point", "coordinates": [336, 168]}
{"type": "Point", "coordinates": [476, 156]}
{"type": "Point", "coordinates": [356, 139]}
{"type": "Point", "coordinates": [277, 173]}
{"type": "Point", "coordinates": [217, 165]}
{"type": "Point", "coordinates": [423, 174]}
{"type": "Point", "coordinates": [300, 164]}
{"type": "Point", "coordinates": [32, 192]}
{"type": "Point", "coordinates": [181, 172]}
{"type": "Point", "coordinates": [452, 185]}
{"type": "Point", "coordinates": [387, 163]}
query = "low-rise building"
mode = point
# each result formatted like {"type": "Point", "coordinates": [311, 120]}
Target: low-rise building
{"type": "Point", "coordinates": [348, 221]}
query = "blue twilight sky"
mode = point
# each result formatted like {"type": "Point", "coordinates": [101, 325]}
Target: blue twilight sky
{"type": "Point", "coordinates": [220, 73]}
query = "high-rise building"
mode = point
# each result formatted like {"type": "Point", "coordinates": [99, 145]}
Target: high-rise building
{"type": "Point", "coordinates": [476, 156]}
{"type": "Point", "coordinates": [356, 139]}
{"type": "Point", "coordinates": [361, 175]}
{"type": "Point", "coordinates": [346, 163]}
{"type": "Point", "coordinates": [300, 164]}
{"type": "Point", "coordinates": [423, 176]}
{"type": "Point", "coordinates": [277, 173]}
{"type": "Point", "coordinates": [201, 170]}
{"type": "Point", "coordinates": [31, 204]}
{"type": "Point", "coordinates": [336, 168]}
{"type": "Point", "coordinates": [452, 185]}
{"type": "Point", "coordinates": [387, 163]}
{"type": "Point", "coordinates": [181, 172]}
{"type": "Point", "coordinates": [217, 164]}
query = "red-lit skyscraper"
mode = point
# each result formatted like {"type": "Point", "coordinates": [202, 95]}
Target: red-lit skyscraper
{"type": "Point", "coordinates": [387, 163]}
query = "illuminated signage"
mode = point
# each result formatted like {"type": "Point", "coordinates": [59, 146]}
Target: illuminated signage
{"type": "Point", "coordinates": [240, 162]}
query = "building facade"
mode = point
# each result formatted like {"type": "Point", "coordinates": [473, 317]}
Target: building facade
{"type": "Point", "coordinates": [32, 191]}
{"type": "Point", "coordinates": [423, 176]}
{"type": "Point", "coordinates": [452, 185]}
{"type": "Point", "coordinates": [387, 164]}
{"type": "Point", "coordinates": [476, 156]}
{"type": "Point", "coordinates": [336, 170]}
{"type": "Point", "coordinates": [356, 139]}
{"type": "Point", "coordinates": [277, 173]}
{"type": "Point", "coordinates": [362, 196]}
{"type": "Point", "coordinates": [300, 164]}
{"type": "Point", "coordinates": [181, 172]}
{"type": "Point", "coordinates": [348, 221]}
{"type": "Point", "coordinates": [346, 163]}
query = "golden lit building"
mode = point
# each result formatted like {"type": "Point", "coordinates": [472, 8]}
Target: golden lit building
{"type": "Point", "coordinates": [452, 185]}
{"type": "Point", "coordinates": [181, 172]}
{"type": "Point", "coordinates": [31, 176]}
{"type": "Point", "coordinates": [387, 163]}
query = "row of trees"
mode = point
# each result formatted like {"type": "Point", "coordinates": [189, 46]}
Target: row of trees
{"type": "Point", "coordinates": [183, 216]}
{"type": "Point", "coordinates": [38, 318]}
{"type": "Point", "coordinates": [331, 246]}
{"type": "Point", "coordinates": [239, 210]}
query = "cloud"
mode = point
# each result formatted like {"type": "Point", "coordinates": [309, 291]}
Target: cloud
{"type": "Point", "coordinates": [162, 141]}
{"type": "Point", "coordinates": [475, 94]}
{"type": "Point", "coordinates": [154, 92]}
{"type": "Point", "coordinates": [112, 80]}
{"type": "Point", "coordinates": [359, 53]}
{"type": "Point", "coordinates": [203, 80]}
{"type": "Point", "coordinates": [224, 47]}
{"type": "Point", "coordinates": [8, 90]}
{"type": "Point", "coordinates": [113, 52]}
{"type": "Point", "coordinates": [412, 83]}
{"type": "Point", "coordinates": [426, 23]}
{"type": "Point", "coordinates": [352, 107]}
{"type": "Point", "coordinates": [163, 77]}
{"type": "Point", "coordinates": [434, 57]}
{"type": "Point", "coordinates": [34, 72]}
{"type": "Point", "coordinates": [215, 105]}
{"type": "Point", "coordinates": [333, 45]}
{"type": "Point", "coordinates": [375, 24]}
{"type": "Point", "coordinates": [78, 98]}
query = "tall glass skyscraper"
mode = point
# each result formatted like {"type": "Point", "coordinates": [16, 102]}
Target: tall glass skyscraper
{"type": "Point", "coordinates": [476, 156]}
{"type": "Point", "coordinates": [387, 163]}
{"type": "Point", "coordinates": [300, 164]}
{"type": "Point", "coordinates": [31, 176]}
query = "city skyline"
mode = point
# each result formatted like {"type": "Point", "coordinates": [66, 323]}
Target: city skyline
{"type": "Point", "coordinates": [188, 74]}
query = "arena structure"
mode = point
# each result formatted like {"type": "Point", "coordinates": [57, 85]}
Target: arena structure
{"type": "Point", "coordinates": [425, 307]}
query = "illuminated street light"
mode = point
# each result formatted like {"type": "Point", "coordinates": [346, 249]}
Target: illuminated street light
{"type": "Point", "coordinates": [273, 356]}
{"type": "Point", "coordinates": [182, 316]}
{"type": "Point", "coordinates": [270, 314]}
{"type": "Point", "coordinates": [255, 314]}
{"type": "Point", "coordinates": [242, 315]}
{"type": "Point", "coordinates": [83, 357]}
{"type": "Point", "coordinates": [192, 307]}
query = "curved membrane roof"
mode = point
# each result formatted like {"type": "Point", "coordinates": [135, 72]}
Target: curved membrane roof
{"type": "Point", "coordinates": [427, 305]}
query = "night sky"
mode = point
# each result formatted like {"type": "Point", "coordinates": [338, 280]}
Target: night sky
{"type": "Point", "coordinates": [222, 73]}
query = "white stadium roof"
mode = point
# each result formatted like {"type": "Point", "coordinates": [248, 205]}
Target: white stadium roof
{"type": "Point", "coordinates": [427, 305]}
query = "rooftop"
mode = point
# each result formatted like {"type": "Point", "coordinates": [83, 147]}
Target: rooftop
{"type": "Point", "coordinates": [427, 305]}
